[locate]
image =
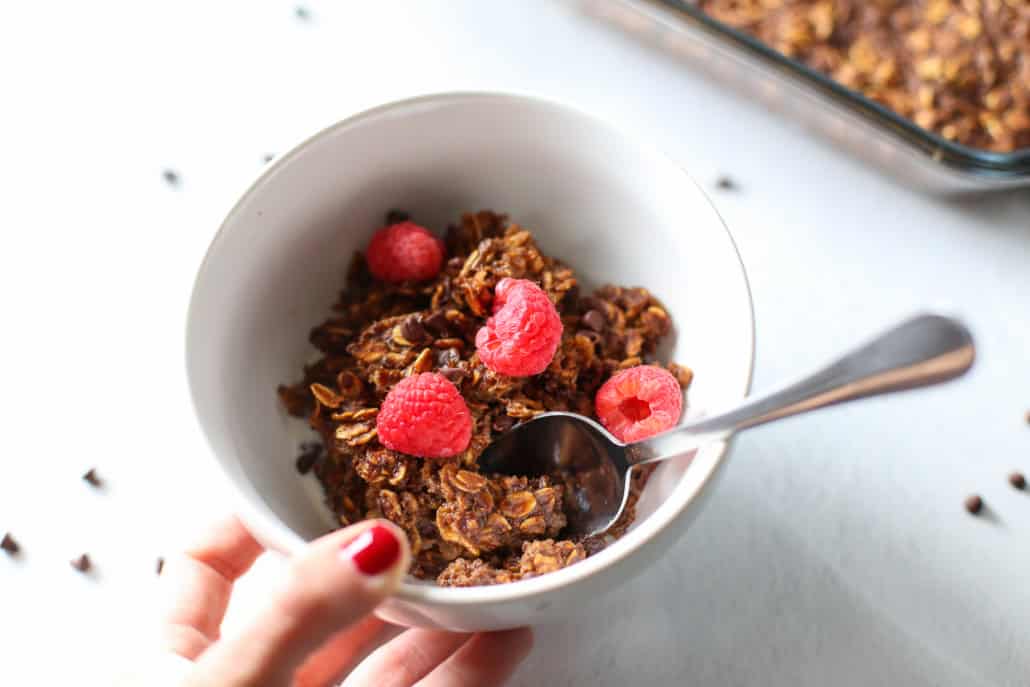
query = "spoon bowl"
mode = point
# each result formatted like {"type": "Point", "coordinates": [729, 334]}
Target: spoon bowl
{"type": "Point", "coordinates": [575, 446]}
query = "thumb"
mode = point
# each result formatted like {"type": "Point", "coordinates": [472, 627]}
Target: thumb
{"type": "Point", "coordinates": [335, 582]}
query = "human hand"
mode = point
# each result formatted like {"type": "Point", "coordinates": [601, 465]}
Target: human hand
{"type": "Point", "coordinates": [313, 630]}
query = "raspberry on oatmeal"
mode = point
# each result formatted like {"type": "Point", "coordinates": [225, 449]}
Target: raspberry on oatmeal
{"type": "Point", "coordinates": [404, 251]}
{"type": "Point", "coordinates": [524, 332]}
{"type": "Point", "coordinates": [424, 415]}
{"type": "Point", "coordinates": [639, 402]}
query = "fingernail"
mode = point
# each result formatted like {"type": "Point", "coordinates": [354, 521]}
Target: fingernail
{"type": "Point", "coordinates": [374, 551]}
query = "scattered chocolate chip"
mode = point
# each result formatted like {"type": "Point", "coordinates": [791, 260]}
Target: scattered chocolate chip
{"type": "Point", "coordinates": [724, 183]}
{"type": "Point", "coordinates": [502, 423]}
{"type": "Point", "coordinates": [82, 563]}
{"type": "Point", "coordinates": [394, 216]}
{"type": "Point", "coordinates": [92, 478]}
{"type": "Point", "coordinates": [171, 177]}
{"type": "Point", "coordinates": [310, 452]}
{"type": "Point", "coordinates": [9, 544]}
{"type": "Point", "coordinates": [302, 13]}
{"type": "Point", "coordinates": [594, 319]}
{"type": "Point", "coordinates": [267, 157]}
{"type": "Point", "coordinates": [974, 504]}
{"type": "Point", "coordinates": [1018, 480]}
{"type": "Point", "coordinates": [160, 565]}
{"type": "Point", "coordinates": [413, 331]}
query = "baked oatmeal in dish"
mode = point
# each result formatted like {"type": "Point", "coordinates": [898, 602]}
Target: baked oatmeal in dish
{"type": "Point", "coordinates": [435, 348]}
{"type": "Point", "coordinates": [959, 68]}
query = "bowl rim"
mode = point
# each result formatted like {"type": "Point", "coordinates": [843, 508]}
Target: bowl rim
{"type": "Point", "coordinates": [274, 533]}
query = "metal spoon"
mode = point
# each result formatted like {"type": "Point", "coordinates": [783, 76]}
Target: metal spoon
{"type": "Point", "coordinates": [924, 350]}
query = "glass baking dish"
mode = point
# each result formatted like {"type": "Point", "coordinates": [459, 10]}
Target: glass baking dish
{"type": "Point", "coordinates": [873, 132]}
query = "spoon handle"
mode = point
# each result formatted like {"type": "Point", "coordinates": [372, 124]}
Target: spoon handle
{"type": "Point", "coordinates": [924, 350]}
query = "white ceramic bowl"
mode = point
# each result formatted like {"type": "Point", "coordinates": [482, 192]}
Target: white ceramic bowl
{"type": "Point", "coordinates": [616, 211]}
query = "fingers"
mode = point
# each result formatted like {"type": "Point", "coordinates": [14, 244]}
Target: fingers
{"type": "Point", "coordinates": [486, 660]}
{"type": "Point", "coordinates": [337, 657]}
{"type": "Point", "coordinates": [336, 581]}
{"type": "Point", "coordinates": [199, 584]}
{"type": "Point", "coordinates": [406, 659]}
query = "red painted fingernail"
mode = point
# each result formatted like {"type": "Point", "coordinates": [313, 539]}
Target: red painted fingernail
{"type": "Point", "coordinates": [374, 551]}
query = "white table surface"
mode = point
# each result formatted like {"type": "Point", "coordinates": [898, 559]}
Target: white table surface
{"type": "Point", "coordinates": [837, 551]}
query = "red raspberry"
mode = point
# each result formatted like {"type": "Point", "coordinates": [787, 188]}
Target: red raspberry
{"type": "Point", "coordinates": [524, 332]}
{"type": "Point", "coordinates": [424, 415]}
{"type": "Point", "coordinates": [639, 402]}
{"type": "Point", "coordinates": [404, 251]}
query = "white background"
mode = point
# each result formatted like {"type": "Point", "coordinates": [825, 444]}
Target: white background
{"type": "Point", "coordinates": [836, 550]}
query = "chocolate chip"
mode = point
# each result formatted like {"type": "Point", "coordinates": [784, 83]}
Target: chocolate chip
{"type": "Point", "coordinates": [437, 324]}
{"type": "Point", "coordinates": [303, 13]}
{"type": "Point", "coordinates": [91, 477]}
{"type": "Point", "coordinates": [502, 423]}
{"type": "Point", "coordinates": [171, 177]}
{"type": "Point", "coordinates": [82, 563]}
{"type": "Point", "coordinates": [594, 337]}
{"type": "Point", "coordinates": [595, 320]}
{"type": "Point", "coordinates": [310, 452]}
{"type": "Point", "coordinates": [393, 216]}
{"type": "Point", "coordinates": [455, 374]}
{"type": "Point", "coordinates": [974, 504]}
{"type": "Point", "coordinates": [572, 295]}
{"type": "Point", "coordinates": [160, 565]}
{"type": "Point", "coordinates": [413, 331]}
{"type": "Point", "coordinates": [9, 544]}
{"type": "Point", "coordinates": [724, 183]}
{"type": "Point", "coordinates": [267, 157]}
{"type": "Point", "coordinates": [447, 357]}
{"type": "Point", "coordinates": [1018, 480]}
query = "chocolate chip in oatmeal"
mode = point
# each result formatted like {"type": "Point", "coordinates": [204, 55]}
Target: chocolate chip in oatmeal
{"type": "Point", "coordinates": [455, 374]}
{"type": "Point", "coordinates": [310, 452]}
{"type": "Point", "coordinates": [594, 319]}
{"type": "Point", "coordinates": [437, 324]}
{"type": "Point", "coordinates": [502, 423]}
{"type": "Point", "coordinates": [413, 331]}
{"type": "Point", "coordinates": [974, 504]}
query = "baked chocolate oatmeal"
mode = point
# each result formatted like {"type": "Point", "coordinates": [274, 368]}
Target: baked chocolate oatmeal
{"type": "Point", "coordinates": [960, 68]}
{"type": "Point", "coordinates": [465, 528]}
